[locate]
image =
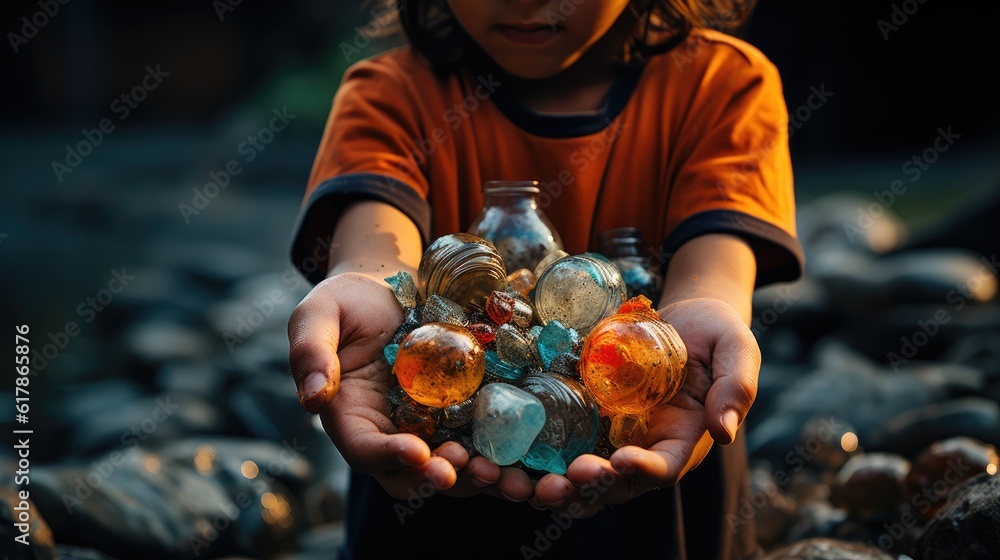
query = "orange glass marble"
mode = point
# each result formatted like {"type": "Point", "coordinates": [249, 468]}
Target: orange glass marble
{"type": "Point", "coordinates": [440, 364]}
{"type": "Point", "coordinates": [632, 362]}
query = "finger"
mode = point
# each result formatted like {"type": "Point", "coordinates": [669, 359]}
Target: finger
{"type": "Point", "coordinates": [436, 475]}
{"type": "Point", "coordinates": [514, 485]}
{"type": "Point", "coordinates": [454, 453]}
{"type": "Point", "coordinates": [474, 474]}
{"type": "Point", "coordinates": [735, 367]}
{"type": "Point", "coordinates": [599, 482]}
{"type": "Point", "coordinates": [664, 463]}
{"type": "Point", "coordinates": [366, 447]}
{"type": "Point", "coordinates": [313, 337]}
{"type": "Point", "coordinates": [553, 491]}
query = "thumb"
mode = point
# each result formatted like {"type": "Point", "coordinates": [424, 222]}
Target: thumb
{"type": "Point", "coordinates": [313, 337]}
{"type": "Point", "coordinates": [735, 366]}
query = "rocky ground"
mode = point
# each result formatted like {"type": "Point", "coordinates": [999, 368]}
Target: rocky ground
{"type": "Point", "coordinates": [165, 424]}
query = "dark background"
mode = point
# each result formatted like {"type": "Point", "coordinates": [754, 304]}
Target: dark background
{"type": "Point", "coordinates": [936, 69]}
{"type": "Point", "coordinates": [197, 279]}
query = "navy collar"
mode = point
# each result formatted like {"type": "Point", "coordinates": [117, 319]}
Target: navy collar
{"type": "Point", "coordinates": [570, 125]}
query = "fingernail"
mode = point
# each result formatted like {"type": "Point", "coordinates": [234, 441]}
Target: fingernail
{"type": "Point", "coordinates": [481, 483]}
{"type": "Point", "coordinates": [313, 384]}
{"type": "Point", "coordinates": [509, 498]}
{"type": "Point", "coordinates": [731, 422]}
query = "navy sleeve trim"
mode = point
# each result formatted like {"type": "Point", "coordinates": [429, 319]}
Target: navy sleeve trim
{"type": "Point", "coordinates": [779, 255]}
{"type": "Point", "coordinates": [319, 215]}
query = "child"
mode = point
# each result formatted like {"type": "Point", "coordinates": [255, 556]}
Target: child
{"type": "Point", "coordinates": [629, 113]}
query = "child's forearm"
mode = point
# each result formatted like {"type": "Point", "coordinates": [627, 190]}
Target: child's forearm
{"type": "Point", "coordinates": [716, 266]}
{"type": "Point", "coordinates": [374, 239]}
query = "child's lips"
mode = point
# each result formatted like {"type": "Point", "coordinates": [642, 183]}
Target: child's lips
{"type": "Point", "coordinates": [531, 35]}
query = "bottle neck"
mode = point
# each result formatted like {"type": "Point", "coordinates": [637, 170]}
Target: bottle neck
{"type": "Point", "coordinates": [620, 242]}
{"type": "Point", "coordinates": [511, 200]}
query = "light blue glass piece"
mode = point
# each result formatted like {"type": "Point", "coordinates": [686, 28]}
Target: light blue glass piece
{"type": "Point", "coordinates": [555, 339]}
{"type": "Point", "coordinates": [499, 368]}
{"type": "Point", "coordinates": [390, 353]}
{"type": "Point", "coordinates": [405, 289]}
{"type": "Point", "coordinates": [572, 421]}
{"type": "Point", "coordinates": [506, 422]}
{"type": "Point", "coordinates": [542, 457]}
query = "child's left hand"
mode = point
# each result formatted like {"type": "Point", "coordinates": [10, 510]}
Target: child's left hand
{"type": "Point", "coordinates": [723, 363]}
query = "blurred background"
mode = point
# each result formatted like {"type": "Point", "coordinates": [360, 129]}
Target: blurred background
{"type": "Point", "coordinates": [165, 425]}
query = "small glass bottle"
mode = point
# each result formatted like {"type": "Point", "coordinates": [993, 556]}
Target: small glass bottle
{"type": "Point", "coordinates": [512, 221]}
{"type": "Point", "coordinates": [624, 247]}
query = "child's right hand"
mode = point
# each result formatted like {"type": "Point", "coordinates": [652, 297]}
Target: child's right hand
{"type": "Point", "coordinates": [336, 337]}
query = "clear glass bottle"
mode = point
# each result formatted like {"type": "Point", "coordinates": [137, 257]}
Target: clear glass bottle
{"type": "Point", "coordinates": [624, 247]}
{"type": "Point", "coordinates": [512, 221]}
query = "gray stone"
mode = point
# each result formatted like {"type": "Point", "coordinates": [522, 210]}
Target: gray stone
{"type": "Point", "coordinates": [910, 431]}
{"type": "Point", "coordinates": [827, 549]}
{"type": "Point", "coordinates": [848, 386]}
{"type": "Point", "coordinates": [189, 499]}
{"type": "Point", "coordinates": [968, 527]}
{"type": "Point", "coordinates": [39, 538]}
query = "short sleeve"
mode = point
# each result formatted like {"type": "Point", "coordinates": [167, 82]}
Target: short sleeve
{"type": "Point", "coordinates": [733, 173]}
{"type": "Point", "coordinates": [368, 152]}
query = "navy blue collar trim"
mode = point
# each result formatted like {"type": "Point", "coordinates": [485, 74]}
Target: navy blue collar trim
{"type": "Point", "coordinates": [570, 126]}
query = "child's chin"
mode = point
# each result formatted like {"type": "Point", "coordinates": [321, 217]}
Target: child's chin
{"type": "Point", "coordinates": [530, 70]}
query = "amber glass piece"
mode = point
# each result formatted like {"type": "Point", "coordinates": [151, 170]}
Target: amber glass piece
{"type": "Point", "coordinates": [521, 281]}
{"type": "Point", "coordinates": [632, 362]}
{"type": "Point", "coordinates": [440, 364]}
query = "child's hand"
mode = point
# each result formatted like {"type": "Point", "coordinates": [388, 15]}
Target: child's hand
{"type": "Point", "coordinates": [337, 335]}
{"type": "Point", "coordinates": [723, 363]}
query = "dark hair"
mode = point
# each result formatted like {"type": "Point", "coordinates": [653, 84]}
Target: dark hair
{"type": "Point", "coordinates": [432, 31]}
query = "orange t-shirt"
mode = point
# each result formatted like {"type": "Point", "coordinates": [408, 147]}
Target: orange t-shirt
{"type": "Point", "coordinates": [693, 142]}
